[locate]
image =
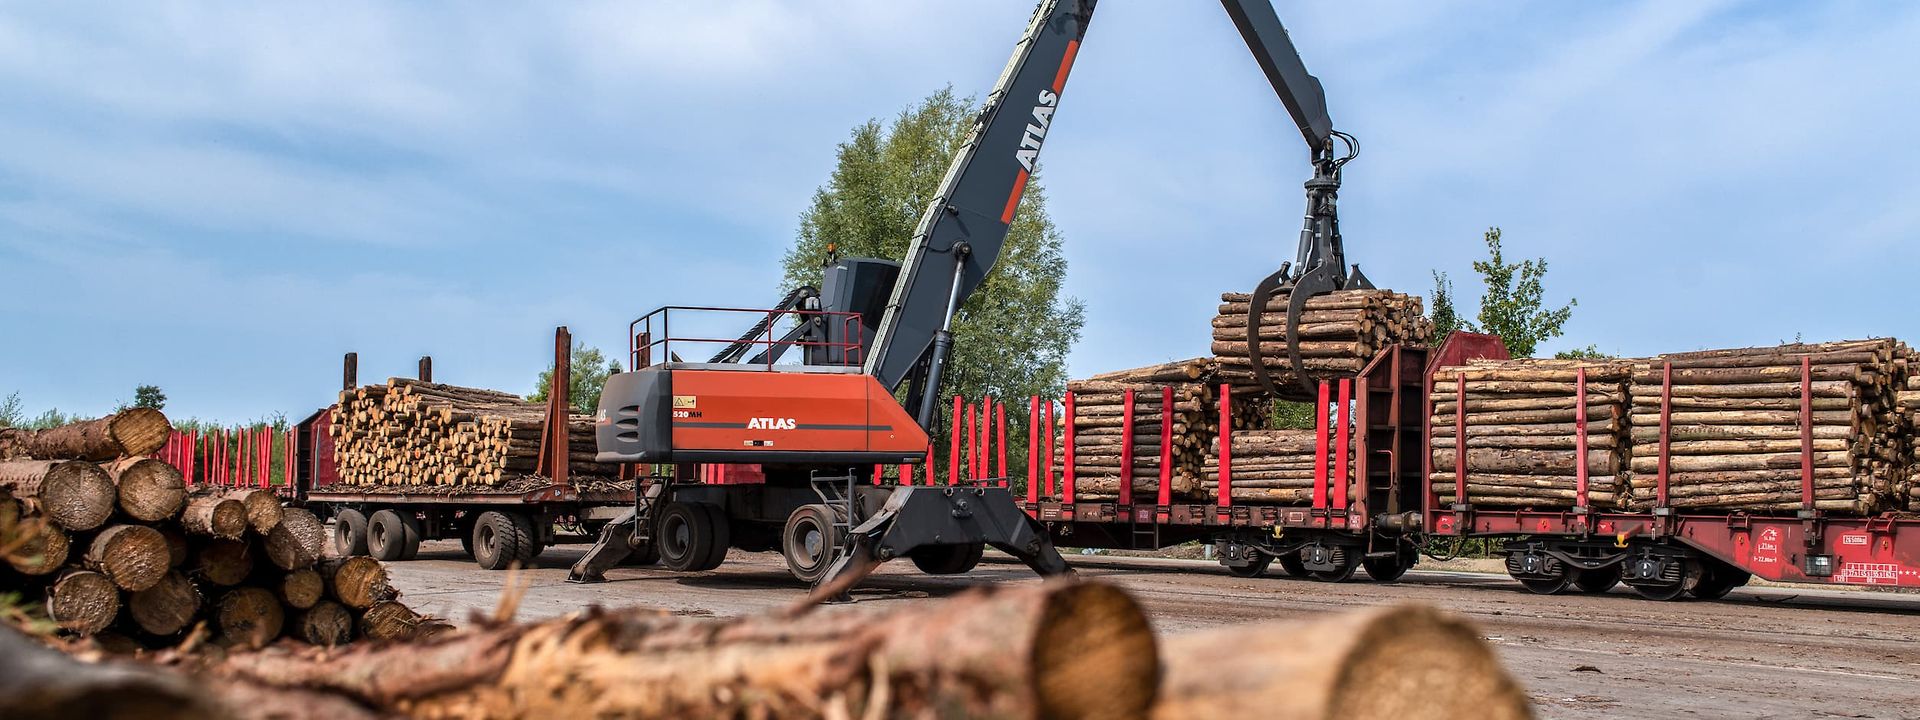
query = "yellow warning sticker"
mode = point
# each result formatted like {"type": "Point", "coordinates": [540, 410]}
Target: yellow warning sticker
{"type": "Point", "coordinates": [683, 402]}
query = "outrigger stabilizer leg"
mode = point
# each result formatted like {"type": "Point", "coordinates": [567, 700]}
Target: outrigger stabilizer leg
{"type": "Point", "coordinates": [915, 517]}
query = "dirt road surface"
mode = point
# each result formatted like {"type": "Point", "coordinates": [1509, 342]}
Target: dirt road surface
{"type": "Point", "coordinates": [1761, 653]}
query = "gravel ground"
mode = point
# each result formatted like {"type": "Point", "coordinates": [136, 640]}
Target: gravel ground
{"type": "Point", "coordinates": [1764, 652]}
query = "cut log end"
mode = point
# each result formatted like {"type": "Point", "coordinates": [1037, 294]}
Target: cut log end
{"type": "Point", "coordinates": [296, 540]}
{"type": "Point", "coordinates": [215, 516]}
{"type": "Point", "coordinates": [326, 624]}
{"type": "Point", "coordinates": [34, 546]}
{"type": "Point", "coordinates": [393, 621]}
{"type": "Point", "coordinates": [263, 509]}
{"type": "Point", "coordinates": [249, 617]}
{"type": "Point", "coordinates": [139, 431]}
{"type": "Point", "coordinates": [135, 557]}
{"type": "Point", "coordinates": [359, 582]}
{"type": "Point", "coordinates": [149, 490]}
{"type": "Point", "coordinates": [83, 602]}
{"type": "Point", "coordinates": [1088, 635]}
{"type": "Point", "coordinates": [302, 588]}
{"type": "Point", "coordinates": [167, 607]}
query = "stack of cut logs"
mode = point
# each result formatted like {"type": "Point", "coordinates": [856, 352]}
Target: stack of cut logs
{"type": "Point", "coordinates": [1100, 422]}
{"type": "Point", "coordinates": [1521, 443]}
{"type": "Point", "coordinates": [1907, 402]}
{"type": "Point", "coordinates": [121, 550]}
{"type": "Point", "coordinates": [1274, 466]}
{"type": "Point", "coordinates": [1734, 439]}
{"type": "Point", "coordinates": [1339, 333]}
{"type": "Point", "coordinates": [410, 433]}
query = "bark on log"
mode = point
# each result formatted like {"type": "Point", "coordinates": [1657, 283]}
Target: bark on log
{"type": "Point", "coordinates": [166, 608]}
{"type": "Point", "coordinates": [148, 490]}
{"type": "Point", "coordinates": [134, 557]}
{"type": "Point", "coordinates": [249, 617]}
{"type": "Point", "coordinates": [128, 433]}
{"type": "Point", "coordinates": [76, 494]}
{"type": "Point", "coordinates": [41, 682]}
{"type": "Point", "coordinates": [1379, 664]}
{"type": "Point", "coordinates": [83, 602]}
{"type": "Point", "coordinates": [1060, 650]}
{"type": "Point", "coordinates": [215, 516]}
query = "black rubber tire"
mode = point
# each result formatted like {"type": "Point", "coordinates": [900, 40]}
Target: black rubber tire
{"type": "Point", "coordinates": [807, 542]}
{"type": "Point", "coordinates": [681, 536]}
{"type": "Point", "coordinates": [948, 559]}
{"type": "Point", "coordinates": [466, 538]}
{"type": "Point", "coordinates": [349, 533]}
{"type": "Point", "coordinates": [1254, 569]}
{"type": "Point", "coordinates": [1291, 565]}
{"type": "Point", "coordinates": [1548, 586]}
{"type": "Point", "coordinates": [719, 537]}
{"type": "Point", "coordinates": [1391, 569]}
{"type": "Point", "coordinates": [409, 535]}
{"type": "Point", "coordinates": [528, 553]}
{"type": "Point", "coordinates": [498, 540]}
{"type": "Point", "coordinates": [1595, 582]}
{"type": "Point", "coordinates": [387, 536]}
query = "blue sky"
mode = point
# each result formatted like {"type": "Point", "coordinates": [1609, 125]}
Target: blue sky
{"type": "Point", "coordinates": [222, 198]}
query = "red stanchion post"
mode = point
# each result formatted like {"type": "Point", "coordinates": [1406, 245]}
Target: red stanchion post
{"type": "Point", "coordinates": [1033, 449]}
{"type": "Point", "coordinates": [929, 465]}
{"type": "Point", "coordinates": [953, 443]}
{"type": "Point", "coordinates": [1000, 430]}
{"type": "Point", "coordinates": [1066, 491]}
{"type": "Point", "coordinates": [1164, 495]}
{"type": "Point", "coordinates": [1126, 448]}
{"type": "Point", "coordinates": [1047, 458]}
{"type": "Point", "coordinates": [1322, 409]}
{"type": "Point", "coordinates": [1342, 432]}
{"type": "Point", "coordinates": [1225, 490]}
{"type": "Point", "coordinates": [1579, 438]}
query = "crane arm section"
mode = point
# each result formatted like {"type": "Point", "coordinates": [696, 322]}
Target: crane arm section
{"type": "Point", "coordinates": [963, 229]}
{"type": "Point", "coordinates": [1273, 50]}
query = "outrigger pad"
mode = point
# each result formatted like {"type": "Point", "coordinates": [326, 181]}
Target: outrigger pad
{"type": "Point", "coordinates": [915, 517]}
{"type": "Point", "coordinates": [614, 545]}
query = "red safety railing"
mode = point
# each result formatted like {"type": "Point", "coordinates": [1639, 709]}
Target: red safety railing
{"type": "Point", "coordinates": [651, 336]}
{"type": "Point", "coordinates": [233, 457]}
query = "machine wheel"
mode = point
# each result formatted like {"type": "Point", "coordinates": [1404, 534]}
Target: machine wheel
{"type": "Point", "coordinates": [349, 533]}
{"type": "Point", "coordinates": [498, 540]}
{"type": "Point", "coordinates": [643, 554]}
{"type": "Point", "coordinates": [1548, 586]}
{"type": "Point", "coordinates": [807, 542]}
{"type": "Point", "coordinates": [1595, 582]}
{"type": "Point", "coordinates": [1253, 569]}
{"type": "Point", "coordinates": [948, 559]}
{"type": "Point", "coordinates": [1291, 565]}
{"type": "Point", "coordinates": [392, 536]}
{"type": "Point", "coordinates": [718, 537]}
{"type": "Point", "coordinates": [1717, 580]}
{"type": "Point", "coordinates": [688, 539]}
{"type": "Point", "coordinates": [1389, 569]}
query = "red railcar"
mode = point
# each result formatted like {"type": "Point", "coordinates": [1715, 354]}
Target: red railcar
{"type": "Point", "coordinates": [1393, 515]}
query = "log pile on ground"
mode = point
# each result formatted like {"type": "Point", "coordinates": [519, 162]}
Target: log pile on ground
{"type": "Point", "coordinates": [1339, 333]}
{"type": "Point", "coordinates": [1058, 650]}
{"type": "Point", "coordinates": [1100, 429]}
{"type": "Point", "coordinates": [1521, 444]}
{"type": "Point", "coordinates": [1735, 427]}
{"type": "Point", "coordinates": [413, 433]}
{"type": "Point", "coordinates": [1274, 467]}
{"type": "Point", "coordinates": [124, 551]}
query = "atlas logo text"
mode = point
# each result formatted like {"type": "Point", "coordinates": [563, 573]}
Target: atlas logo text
{"type": "Point", "coordinates": [761, 423]}
{"type": "Point", "coordinates": [1037, 130]}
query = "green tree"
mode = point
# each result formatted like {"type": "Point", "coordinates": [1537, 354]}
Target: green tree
{"type": "Point", "coordinates": [149, 396]}
{"type": "Point", "coordinates": [12, 411]}
{"type": "Point", "coordinates": [1445, 319]}
{"type": "Point", "coordinates": [590, 372]}
{"type": "Point", "coordinates": [1590, 352]}
{"type": "Point", "coordinates": [1291, 415]}
{"type": "Point", "coordinates": [1011, 336]}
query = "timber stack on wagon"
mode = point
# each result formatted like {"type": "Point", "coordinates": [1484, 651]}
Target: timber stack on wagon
{"type": "Point", "coordinates": [121, 550]}
{"type": "Point", "coordinates": [1101, 423]}
{"type": "Point", "coordinates": [1735, 423]}
{"type": "Point", "coordinates": [1907, 402]}
{"type": "Point", "coordinates": [1274, 466]}
{"type": "Point", "coordinates": [1523, 428]}
{"type": "Point", "coordinates": [1340, 332]}
{"type": "Point", "coordinates": [413, 433]}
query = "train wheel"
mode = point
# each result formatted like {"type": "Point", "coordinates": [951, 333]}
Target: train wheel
{"type": "Point", "coordinates": [1341, 573]}
{"type": "Point", "coordinates": [498, 540]}
{"type": "Point", "coordinates": [1717, 580]}
{"type": "Point", "coordinates": [948, 559]}
{"type": "Point", "coordinates": [1548, 586]}
{"type": "Point", "coordinates": [807, 542]}
{"type": "Point", "coordinates": [1691, 573]}
{"type": "Point", "coordinates": [387, 534]}
{"type": "Point", "coordinates": [1291, 565]}
{"type": "Point", "coordinates": [1255, 568]}
{"type": "Point", "coordinates": [1389, 569]}
{"type": "Point", "coordinates": [349, 533]}
{"type": "Point", "coordinates": [1595, 582]}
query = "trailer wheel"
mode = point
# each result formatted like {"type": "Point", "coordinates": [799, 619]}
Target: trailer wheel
{"type": "Point", "coordinates": [687, 537]}
{"type": "Point", "coordinates": [948, 559]}
{"type": "Point", "coordinates": [808, 542]}
{"type": "Point", "coordinates": [1595, 582]}
{"type": "Point", "coordinates": [392, 536]}
{"type": "Point", "coordinates": [498, 540]}
{"type": "Point", "coordinates": [1254, 568]}
{"type": "Point", "coordinates": [530, 548]}
{"type": "Point", "coordinates": [349, 533]}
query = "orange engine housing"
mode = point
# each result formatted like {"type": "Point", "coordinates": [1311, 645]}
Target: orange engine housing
{"type": "Point", "coordinates": [681, 414]}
